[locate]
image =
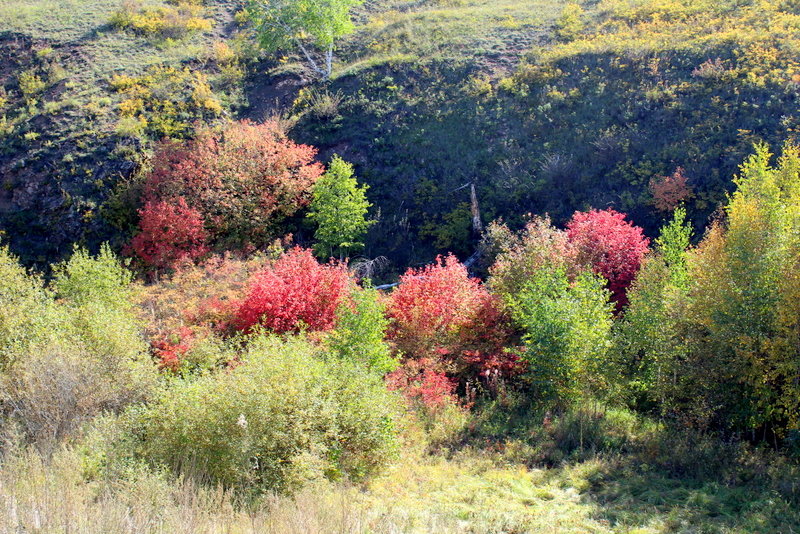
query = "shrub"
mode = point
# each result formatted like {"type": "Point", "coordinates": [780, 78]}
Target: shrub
{"type": "Point", "coordinates": [201, 297]}
{"type": "Point", "coordinates": [570, 24]}
{"type": "Point", "coordinates": [25, 311]}
{"type": "Point", "coordinates": [282, 417]}
{"type": "Point", "coordinates": [714, 330]}
{"type": "Point", "coordinates": [519, 257]}
{"type": "Point", "coordinates": [431, 305]}
{"type": "Point", "coordinates": [167, 22]}
{"type": "Point", "coordinates": [63, 385]}
{"type": "Point", "coordinates": [609, 245]}
{"type": "Point", "coordinates": [243, 180]}
{"type": "Point", "coordinates": [740, 369]}
{"type": "Point", "coordinates": [671, 191]}
{"type": "Point", "coordinates": [431, 397]}
{"type": "Point", "coordinates": [170, 232]}
{"type": "Point", "coordinates": [100, 279]}
{"type": "Point", "coordinates": [294, 293]}
{"type": "Point", "coordinates": [422, 386]}
{"type": "Point", "coordinates": [361, 326]}
{"type": "Point", "coordinates": [73, 358]}
{"type": "Point", "coordinates": [30, 84]}
{"type": "Point", "coordinates": [165, 101]}
{"type": "Point", "coordinates": [441, 314]}
{"type": "Point", "coordinates": [566, 336]}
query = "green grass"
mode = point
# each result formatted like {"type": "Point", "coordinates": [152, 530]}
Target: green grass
{"type": "Point", "coordinates": [492, 31]}
{"type": "Point", "coordinates": [58, 20]}
{"type": "Point", "coordinates": [476, 490]}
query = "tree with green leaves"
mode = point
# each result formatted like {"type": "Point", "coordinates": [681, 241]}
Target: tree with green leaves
{"type": "Point", "coordinates": [313, 26]}
{"type": "Point", "coordinates": [566, 332]}
{"type": "Point", "coordinates": [360, 334]}
{"type": "Point", "coordinates": [739, 295]}
{"type": "Point", "coordinates": [651, 337]}
{"type": "Point", "coordinates": [339, 207]}
{"type": "Point", "coordinates": [672, 244]}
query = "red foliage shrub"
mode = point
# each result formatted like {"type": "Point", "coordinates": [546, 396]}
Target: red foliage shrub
{"type": "Point", "coordinates": [295, 292]}
{"type": "Point", "coordinates": [419, 383]}
{"type": "Point", "coordinates": [442, 314]}
{"type": "Point", "coordinates": [171, 232]}
{"type": "Point", "coordinates": [170, 349]}
{"type": "Point", "coordinates": [611, 246]}
{"type": "Point", "coordinates": [484, 344]}
{"type": "Point", "coordinates": [243, 180]}
{"type": "Point", "coordinates": [432, 304]}
{"type": "Point", "coordinates": [670, 191]}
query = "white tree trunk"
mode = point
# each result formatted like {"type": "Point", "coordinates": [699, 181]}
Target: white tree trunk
{"type": "Point", "coordinates": [310, 59]}
{"type": "Point", "coordinates": [329, 62]}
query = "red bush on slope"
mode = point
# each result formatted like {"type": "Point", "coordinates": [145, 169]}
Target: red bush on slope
{"type": "Point", "coordinates": [611, 246]}
{"type": "Point", "coordinates": [171, 232]}
{"type": "Point", "coordinates": [295, 292]}
{"type": "Point", "coordinates": [241, 182]}
{"type": "Point", "coordinates": [441, 314]}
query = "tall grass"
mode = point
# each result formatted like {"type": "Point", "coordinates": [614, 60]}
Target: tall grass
{"type": "Point", "coordinates": [52, 496]}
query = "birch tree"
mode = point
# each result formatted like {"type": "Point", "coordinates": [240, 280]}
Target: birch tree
{"type": "Point", "coordinates": [311, 26]}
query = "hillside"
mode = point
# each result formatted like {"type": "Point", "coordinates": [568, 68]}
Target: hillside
{"type": "Point", "coordinates": [400, 266]}
{"type": "Point", "coordinates": [542, 112]}
{"type": "Point", "coordinates": [66, 146]}
{"type": "Point", "coordinates": [547, 115]}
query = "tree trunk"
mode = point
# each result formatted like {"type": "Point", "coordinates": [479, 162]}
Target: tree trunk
{"type": "Point", "coordinates": [477, 225]}
{"type": "Point", "coordinates": [329, 62]}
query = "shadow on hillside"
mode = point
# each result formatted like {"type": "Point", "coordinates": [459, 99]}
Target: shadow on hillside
{"type": "Point", "coordinates": [642, 474]}
{"type": "Point", "coordinates": [630, 494]}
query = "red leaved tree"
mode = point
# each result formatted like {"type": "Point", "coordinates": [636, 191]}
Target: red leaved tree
{"type": "Point", "coordinates": [243, 180]}
{"type": "Point", "coordinates": [171, 232]}
{"type": "Point", "coordinates": [670, 191]}
{"type": "Point", "coordinates": [295, 292]}
{"type": "Point", "coordinates": [441, 314]}
{"type": "Point", "coordinates": [611, 246]}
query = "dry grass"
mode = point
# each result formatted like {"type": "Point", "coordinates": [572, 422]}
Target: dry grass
{"type": "Point", "coordinates": [39, 496]}
{"type": "Point", "coordinates": [475, 491]}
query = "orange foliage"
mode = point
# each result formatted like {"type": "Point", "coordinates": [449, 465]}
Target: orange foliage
{"type": "Point", "coordinates": [670, 191]}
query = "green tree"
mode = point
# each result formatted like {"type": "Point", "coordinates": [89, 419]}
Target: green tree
{"type": "Point", "coordinates": [651, 337]}
{"type": "Point", "coordinates": [339, 207]}
{"type": "Point", "coordinates": [360, 334]}
{"type": "Point", "coordinates": [311, 25]}
{"type": "Point", "coordinates": [566, 330]}
{"type": "Point", "coordinates": [739, 272]}
{"type": "Point", "coordinates": [673, 243]}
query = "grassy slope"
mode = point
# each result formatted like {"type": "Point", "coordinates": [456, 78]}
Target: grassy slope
{"type": "Point", "coordinates": [60, 153]}
{"type": "Point", "coordinates": [433, 95]}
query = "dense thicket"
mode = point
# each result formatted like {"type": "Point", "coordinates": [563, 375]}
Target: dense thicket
{"type": "Point", "coordinates": [230, 188]}
{"type": "Point", "coordinates": [269, 371]}
{"type": "Point", "coordinates": [710, 328]}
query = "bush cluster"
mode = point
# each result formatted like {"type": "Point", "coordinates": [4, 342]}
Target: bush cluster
{"type": "Point", "coordinates": [283, 416]}
{"type": "Point", "coordinates": [167, 22]}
